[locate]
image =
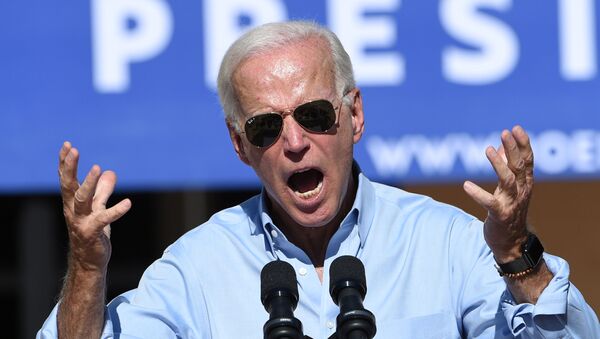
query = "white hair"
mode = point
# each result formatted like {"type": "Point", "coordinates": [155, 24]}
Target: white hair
{"type": "Point", "coordinates": [272, 36]}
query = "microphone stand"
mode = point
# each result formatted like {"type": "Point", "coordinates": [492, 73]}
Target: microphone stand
{"type": "Point", "coordinates": [282, 323]}
{"type": "Point", "coordinates": [348, 287]}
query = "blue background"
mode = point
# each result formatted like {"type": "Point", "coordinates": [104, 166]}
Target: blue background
{"type": "Point", "coordinates": [167, 131]}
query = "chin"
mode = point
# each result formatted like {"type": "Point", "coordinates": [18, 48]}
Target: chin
{"type": "Point", "coordinates": [312, 220]}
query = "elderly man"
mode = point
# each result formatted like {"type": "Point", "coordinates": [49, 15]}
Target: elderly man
{"type": "Point", "coordinates": [294, 113]}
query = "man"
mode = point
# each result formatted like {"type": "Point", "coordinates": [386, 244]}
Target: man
{"type": "Point", "coordinates": [430, 267]}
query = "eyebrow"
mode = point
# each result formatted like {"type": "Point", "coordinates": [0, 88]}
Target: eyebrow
{"type": "Point", "coordinates": [290, 108]}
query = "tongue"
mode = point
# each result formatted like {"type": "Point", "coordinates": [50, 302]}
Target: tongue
{"type": "Point", "coordinates": [305, 181]}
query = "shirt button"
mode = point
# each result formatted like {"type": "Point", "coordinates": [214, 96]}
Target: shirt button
{"type": "Point", "coordinates": [330, 324]}
{"type": "Point", "coordinates": [302, 271]}
{"type": "Point", "coordinates": [274, 233]}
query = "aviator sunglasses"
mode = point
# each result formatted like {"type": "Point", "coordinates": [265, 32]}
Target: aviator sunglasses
{"type": "Point", "coordinates": [264, 129]}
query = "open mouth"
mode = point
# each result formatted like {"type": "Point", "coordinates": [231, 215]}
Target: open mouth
{"type": "Point", "coordinates": [306, 184]}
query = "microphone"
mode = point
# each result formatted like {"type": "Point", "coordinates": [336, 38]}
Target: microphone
{"type": "Point", "coordinates": [348, 287]}
{"type": "Point", "coordinates": [279, 296]}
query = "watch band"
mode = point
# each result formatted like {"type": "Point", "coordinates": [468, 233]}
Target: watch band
{"type": "Point", "coordinates": [531, 255]}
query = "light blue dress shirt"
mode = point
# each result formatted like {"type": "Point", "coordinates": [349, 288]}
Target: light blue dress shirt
{"type": "Point", "coordinates": [429, 274]}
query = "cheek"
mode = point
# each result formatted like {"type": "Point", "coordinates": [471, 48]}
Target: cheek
{"type": "Point", "coordinates": [265, 166]}
{"type": "Point", "coordinates": [344, 146]}
{"type": "Point", "coordinates": [255, 155]}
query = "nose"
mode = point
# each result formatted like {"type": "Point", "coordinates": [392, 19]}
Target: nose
{"type": "Point", "coordinates": [293, 136]}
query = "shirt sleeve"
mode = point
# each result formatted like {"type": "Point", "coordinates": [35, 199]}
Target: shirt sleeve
{"type": "Point", "coordinates": [49, 329]}
{"type": "Point", "coordinates": [488, 309]}
{"type": "Point", "coordinates": [560, 312]}
{"type": "Point", "coordinates": [168, 303]}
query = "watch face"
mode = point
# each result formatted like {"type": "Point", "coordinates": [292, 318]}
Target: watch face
{"type": "Point", "coordinates": [533, 250]}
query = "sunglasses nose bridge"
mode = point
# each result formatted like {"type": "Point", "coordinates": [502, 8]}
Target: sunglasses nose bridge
{"type": "Point", "coordinates": [293, 134]}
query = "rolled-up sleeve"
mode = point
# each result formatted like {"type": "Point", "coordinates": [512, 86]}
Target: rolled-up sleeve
{"type": "Point", "coordinates": [159, 307]}
{"type": "Point", "coordinates": [560, 312]}
{"type": "Point", "coordinates": [49, 329]}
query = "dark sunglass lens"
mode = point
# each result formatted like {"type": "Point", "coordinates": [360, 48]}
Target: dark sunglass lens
{"type": "Point", "coordinates": [316, 116]}
{"type": "Point", "coordinates": [263, 130]}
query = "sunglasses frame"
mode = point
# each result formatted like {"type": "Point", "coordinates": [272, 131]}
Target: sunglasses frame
{"type": "Point", "coordinates": [291, 111]}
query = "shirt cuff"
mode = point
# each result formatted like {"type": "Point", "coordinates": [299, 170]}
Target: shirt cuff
{"type": "Point", "coordinates": [49, 329]}
{"type": "Point", "coordinates": [552, 301]}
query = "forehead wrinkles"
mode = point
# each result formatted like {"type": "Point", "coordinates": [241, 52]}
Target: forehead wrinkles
{"type": "Point", "coordinates": [285, 76]}
{"type": "Point", "coordinates": [284, 68]}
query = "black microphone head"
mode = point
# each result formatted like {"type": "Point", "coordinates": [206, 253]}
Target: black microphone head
{"type": "Point", "coordinates": [278, 277]}
{"type": "Point", "coordinates": [347, 271]}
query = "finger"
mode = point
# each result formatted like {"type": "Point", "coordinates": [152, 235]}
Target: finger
{"type": "Point", "coordinates": [62, 154]}
{"type": "Point", "coordinates": [85, 194]}
{"type": "Point", "coordinates": [112, 214]}
{"type": "Point", "coordinates": [64, 150]}
{"type": "Point", "coordinates": [524, 144]}
{"type": "Point", "coordinates": [514, 157]}
{"type": "Point", "coordinates": [502, 153]}
{"type": "Point", "coordinates": [481, 196]}
{"type": "Point", "coordinates": [104, 189]}
{"type": "Point", "coordinates": [506, 178]}
{"type": "Point", "coordinates": [68, 175]}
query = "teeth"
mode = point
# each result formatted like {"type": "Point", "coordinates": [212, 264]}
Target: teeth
{"type": "Point", "coordinates": [312, 193]}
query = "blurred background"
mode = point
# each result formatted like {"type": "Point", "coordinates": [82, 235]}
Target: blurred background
{"type": "Point", "coordinates": [131, 83]}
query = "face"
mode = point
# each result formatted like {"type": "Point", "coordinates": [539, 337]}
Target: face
{"type": "Point", "coordinates": [307, 176]}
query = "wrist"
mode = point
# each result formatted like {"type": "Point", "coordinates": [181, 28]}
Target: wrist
{"type": "Point", "coordinates": [531, 254]}
{"type": "Point", "coordinates": [95, 262]}
{"type": "Point", "coordinates": [508, 250]}
{"type": "Point", "coordinates": [82, 270]}
{"type": "Point", "coordinates": [505, 255]}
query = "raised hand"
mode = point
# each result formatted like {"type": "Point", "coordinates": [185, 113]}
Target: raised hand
{"type": "Point", "coordinates": [81, 311]}
{"type": "Point", "coordinates": [505, 227]}
{"type": "Point", "coordinates": [84, 206]}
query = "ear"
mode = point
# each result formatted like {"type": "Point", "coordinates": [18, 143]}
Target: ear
{"type": "Point", "coordinates": [237, 141]}
{"type": "Point", "coordinates": [358, 117]}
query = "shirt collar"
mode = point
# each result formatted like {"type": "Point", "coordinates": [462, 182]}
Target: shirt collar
{"type": "Point", "coordinates": [362, 210]}
{"type": "Point", "coordinates": [364, 204]}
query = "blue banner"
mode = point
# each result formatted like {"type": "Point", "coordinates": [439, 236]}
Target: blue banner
{"type": "Point", "coordinates": [131, 83]}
